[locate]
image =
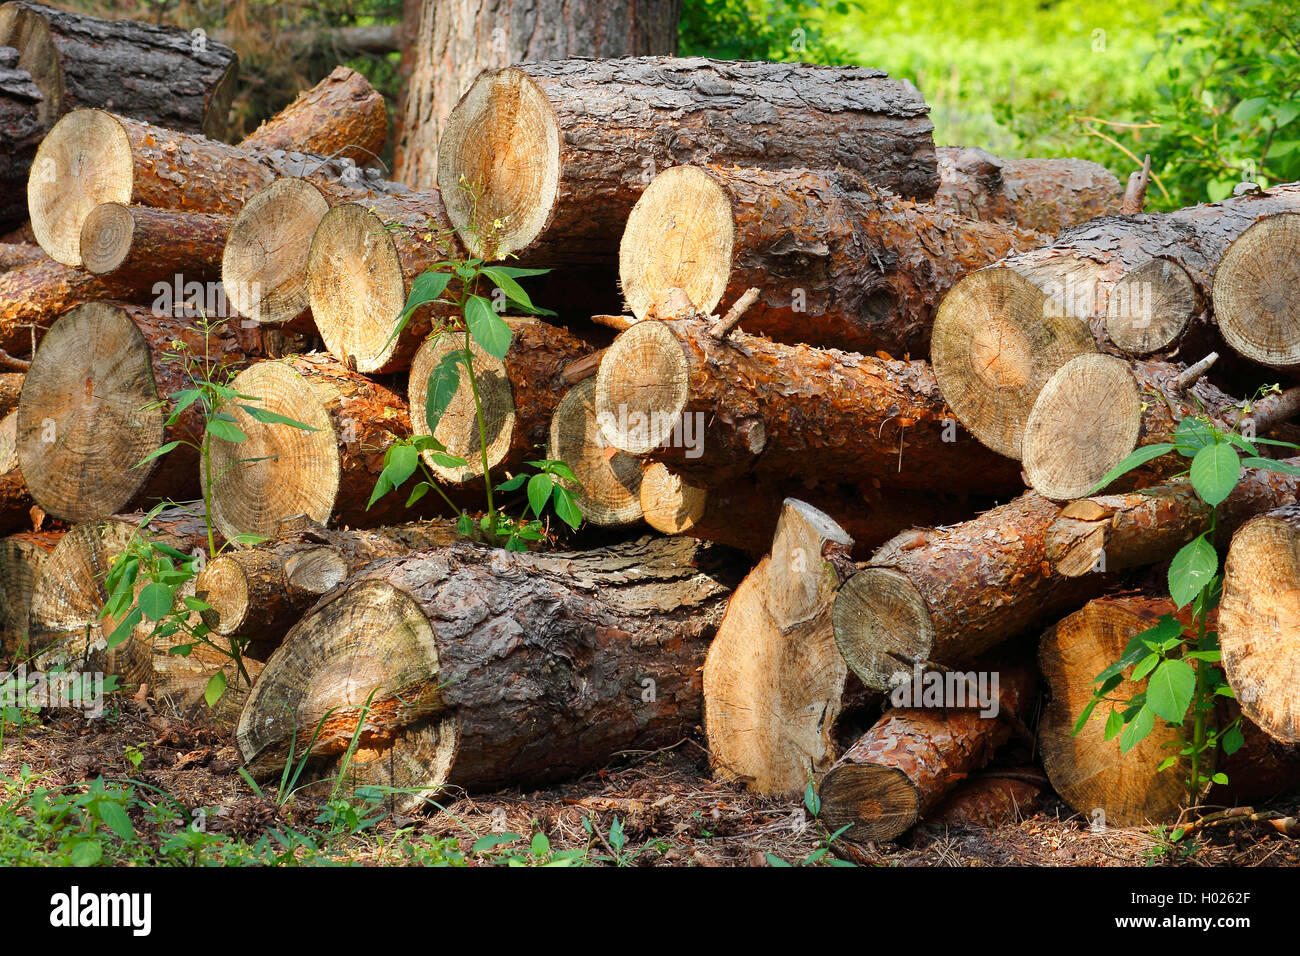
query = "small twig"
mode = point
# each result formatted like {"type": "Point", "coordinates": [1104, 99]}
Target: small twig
{"type": "Point", "coordinates": [1193, 373]}
{"type": "Point", "coordinates": [17, 364]}
{"type": "Point", "coordinates": [722, 328]}
{"type": "Point", "coordinates": [583, 368]}
{"type": "Point", "coordinates": [619, 323]}
{"type": "Point", "coordinates": [1135, 195]}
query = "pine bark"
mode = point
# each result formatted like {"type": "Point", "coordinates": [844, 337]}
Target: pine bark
{"type": "Point", "coordinates": [35, 295]}
{"type": "Point", "coordinates": [513, 669]}
{"type": "Point", "coordinates": [341, 116]}
{"type": "Point", "coordinates": [15, 255]}
{"type": "Point", "coordinates": [21, 127]}
{"type": "Point", "coordinates": [138, 246]}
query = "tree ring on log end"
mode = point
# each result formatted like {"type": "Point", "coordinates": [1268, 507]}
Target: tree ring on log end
{"type": "Point", "coordinates": [356, 287]}
{"type": "Point", "coordinates": [502, 139]}
{"type": "Point", "coordinates": [278, 469]}
{"type": "Point", "coordinates": [611, 485]}
{"type": "Point", "coordinates": [371, 638]}
{"type": "Point", "coordinates": [317, 571]}
{"type": "Point", "coordinates": [875, 802]}
{"type": "Point", "coordinates": [85, 160]}
{"type": "Point", "coordinates": [1149, 308]}
{"type": "Point", "coordinates": [1257, 292]}
{"type": "Point", "coordinates": [882, 626]}
{"type": "Point", "coordinates": [1087, 419]}
{"type": "Point", "coordinates": [223, 585]}
{"type": "Point", "coordinates": [642, 388]}
{"type": "Point", "coordinates": [82, 421]}
{"type": "Point", "coordinates": [106, 237]}
{"type": "Point", "coordinates": [264, 266]}
{"type": "Point", "coordinates": [458, 428]}
{"type": "Point", "coordinates": [1259, 624]}
{"type": "Point", "coordinates": [670, 504]}
{"type": "Point", "coordinates": [679, 236]}
{"type": "Point", "coordinates": [997, 339]}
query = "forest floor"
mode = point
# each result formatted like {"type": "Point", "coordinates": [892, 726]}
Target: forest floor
{"type": "Point", "coordinates": [649, 809]}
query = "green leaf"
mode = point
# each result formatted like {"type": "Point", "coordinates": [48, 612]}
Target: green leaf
{"type": "Point", "coordinates": [1145, 666]}
{"type": "Point", "coordinates": [1114, 724]}
{"type": "Point", "coordinates": [115, 818]}
{"type": "Point", "coordinates": [1221, 779]}
{"type": "Point", "coordinates": [566, 507]}
{"type": "Point", "coordinates": [492, 841]}
{"type": "Point", "coordinates": [512, 484]}
{"type": "Point", "coordinates": [465, 525]}
{"type": "Point", "coordinates": [1135, 459]}
{"type": "Point", "coordinates": [419, 491]}
{"type": "Point", "coordinates": [1193, 567]}
{"type": "Point", "coordinates": [541, 844]}
{"type": "Point", "coordinates": [1192, 435]}
{"type": "Point", "coordinates": [489, 330]}
{"type": "Point", "coordinates": [1233, 741]}
{"type": "Point", "coordinates": [441, 387]}
{"type": "Point", "coordinates": [226, 431]}
{"type": "Point", "coordinates": [382, 487]}
{"type": "Point", "coordinates": [1170, 689]}
{"type": "Point", "coordinates": [1137, 729]}
{"type": "Point", "coordinates": [1166, 763]}
{"type": "Point", "coordinates": [400, 464]}
{"type": "Point", "coordinates": [1168, 626]}
{"type": "Point", "coordinates": [445, 460]}
{"type": "Point", "coordinates": [426, 288]}
{"type": "Point", "coordinates": [516, 272]}
{"type": "Point", "coordinates": [268, 417]}
{"type": "Point", "coordinates": [216, 687]}
{"type": "Point", "coordinates": [1271, 464]}
{"type": "Point", "coordinates": [86, 853]}
{"type": "Point", "coordinates": [1215, 471]}
{"type": "Point", "coordinates": [156, 600]}
{"type": "Point", "coordinates": [539, 489]}
{"type": "Point", "coordinates": [158, 452]}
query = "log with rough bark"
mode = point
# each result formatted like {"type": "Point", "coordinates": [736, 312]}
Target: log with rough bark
{"type": "Point", "coordinates": [773, 679]}
{"type": "Point", "coordinates": [987, 802]}
{"type": "Point", "coordinates": [138, 246]}
{"type": "Point", "coordinates": [21, 127]}
{"type": "Point", "coordinates": [486, 668]}
{"type": "Point", "coordinates": [1096, 409]}
{"type": "Point", "coordinates": [327, 473]}
{"type": "Point", "coordinates": [946, 595]}
{"type": "Point", "coordinates": [1256, 306]}
{"type": "Point", "coordinates": [21, 557]}
{"type": "Point", "coordinates": [1088, 771]}
{"type": "Point", "coordinates": [15, 255]}
{"type": "Point", "coordinates": [342, 115]}
{"type": "Point", "coordinates": [837, 261]}
{"type": "Point", "coordinates": [447, 43]}
{"type": "Point", "coordinates": [560, 151]}
{"type": "Point", "coordinates": [176, 78]}
{"type": "Point", "coordinates": [178, 686]}
{"type": "Point", "coordinates": [363, 260]}
{"type": "Point", "coordinates": [518, 395]}
{"type": "Point", "coordinates": [92, 156]}
{"type": "Point", "coordinates": [64, 621]}
{"type": "Point", "coordinates": [905, 765]}
{"type": "Point", "coordinates": [1258, 623]}
{"type": "Point", "coordinates": [609, 480]}
{"type": "Point", "coordinates": [256, 595]}
{"type": "Point", "coordinates": [1116, 532]}
{"type": "Point", "coordinates": [1048, 195]}
{"type": "Point", "coordinates": [718, 405]}
{"type": "Point", "coordinates": [84, 417]}
{"type": "Point", "coordinates": [744, 513]}
{"type": "Point", "coordinates": [11, 386]}
{"type": "Point", "coordinates": [34, 295]}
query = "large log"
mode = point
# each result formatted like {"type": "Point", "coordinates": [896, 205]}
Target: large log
{"type": "Point", "coordinates": [175, 78]}
{"type": "Point", "coordinates": [773, 678]}
{"type": "Point", "coordinates": [178, 686]}
{"type": "Point", "coordinates": [21, 127]}
{"type": "Point", "coordinates": [718, 405]}
{"type": "Point", "coordinates": [905, 765]}
{"type": "Point", "coordinates": [256, 595]}
{"type": "Point", "coordinates": [326, 473]}
{"type": "Point", "coordinates": [1048, 195]}
{"type": "Point", "coordinates": [138, 246]}
{"type": "Point", "coordinates": [15, 255]}
{"type": "Point", "coordinates": [1115, 532]}
{"type": "Point", "coordinates": [356, 129]}
{"type": "Point", "coordinates": [21, 557]}
{"type": "Point", "coordinates": [561, 150]}
{"type": "Point", "coordinates": [946, 595]}
{"type": "Point", "coordinates": [1256, 306]}
{"type": "Point", "coordinates": [1088, 771]}
{"type": "Point", "coordinates": [837, 261]}
{"type": "Point", "coordinates": [362, 262]}
{"type": "Point", "coordinates": [34, 295]}
{"type": "Point", "coordinates": [85, 419]}
{"type": "Point", "coordinates": [518, 394]}
{"type": "Point", "coordinates": [491, 668]}
{"type": "Point", "coordinates": [1128, 284]}
{"type": "Point", "coordinates": [609, 480]}
{"type": "Point", "coordinates": [1096, 409]}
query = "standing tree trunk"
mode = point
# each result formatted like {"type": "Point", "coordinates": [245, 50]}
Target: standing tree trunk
{"type": "Point", "coordinates": [837, 262]}
{"type": "Point", "coordinates": [559, 152]}
{"type": "Point", "coordinates": [447, 43]}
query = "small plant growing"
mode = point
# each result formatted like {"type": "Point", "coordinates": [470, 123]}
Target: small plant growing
{"type": "Point", "coordinates": [475, 319]}
{"type": "Point", "coordinates": [1179, 662]}
{"type": "Point", "coordinates": [160, 570]}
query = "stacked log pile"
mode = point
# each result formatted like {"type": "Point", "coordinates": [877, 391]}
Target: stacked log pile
{"type": "Point", "coordinates": [861, 397]}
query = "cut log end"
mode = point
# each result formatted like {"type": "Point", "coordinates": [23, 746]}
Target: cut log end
{"type": "Point", "coordinates": [882, 626]}
{"type": "Point", "coordinates": [1150, 308]}
{"type": "Point", "coordinates": [356, 286]}
{"type": "Point", "coordinates": [997, 340]}
{"type": "Point", "coordinates": [501, 142]}
{"type": "Point", "coordinates": [106, 237]}
{"type": "Point", "coordinates": [224, 586]}
{"type": "Point", "coordinates": [874, 802]}
{"type": "Point", "coordinates": [83, 423]}
{"type": "Point", "coordinates": [1257, 292]}
{"type": "Point", "coordinates": [669, 503]}
{"type": "Point", "coordinates": [1259, 622]}
{"type": "Point", "coordinates": [277, 470]}
{"type": "Point", "coordinates": [85, 160]}
{"type": "Point", "coordinates": [264, 267]}
{"type": "Point", "coordinates": [679, 236]}
{"type": "Point", "coordinates": [458, 428]}
{"type": "Point", "coordinates": [642, 388]}
{"type": "Point", "coordinates": [612, 483]}
{"type": "Point", "coordinates": [1086, 420]}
